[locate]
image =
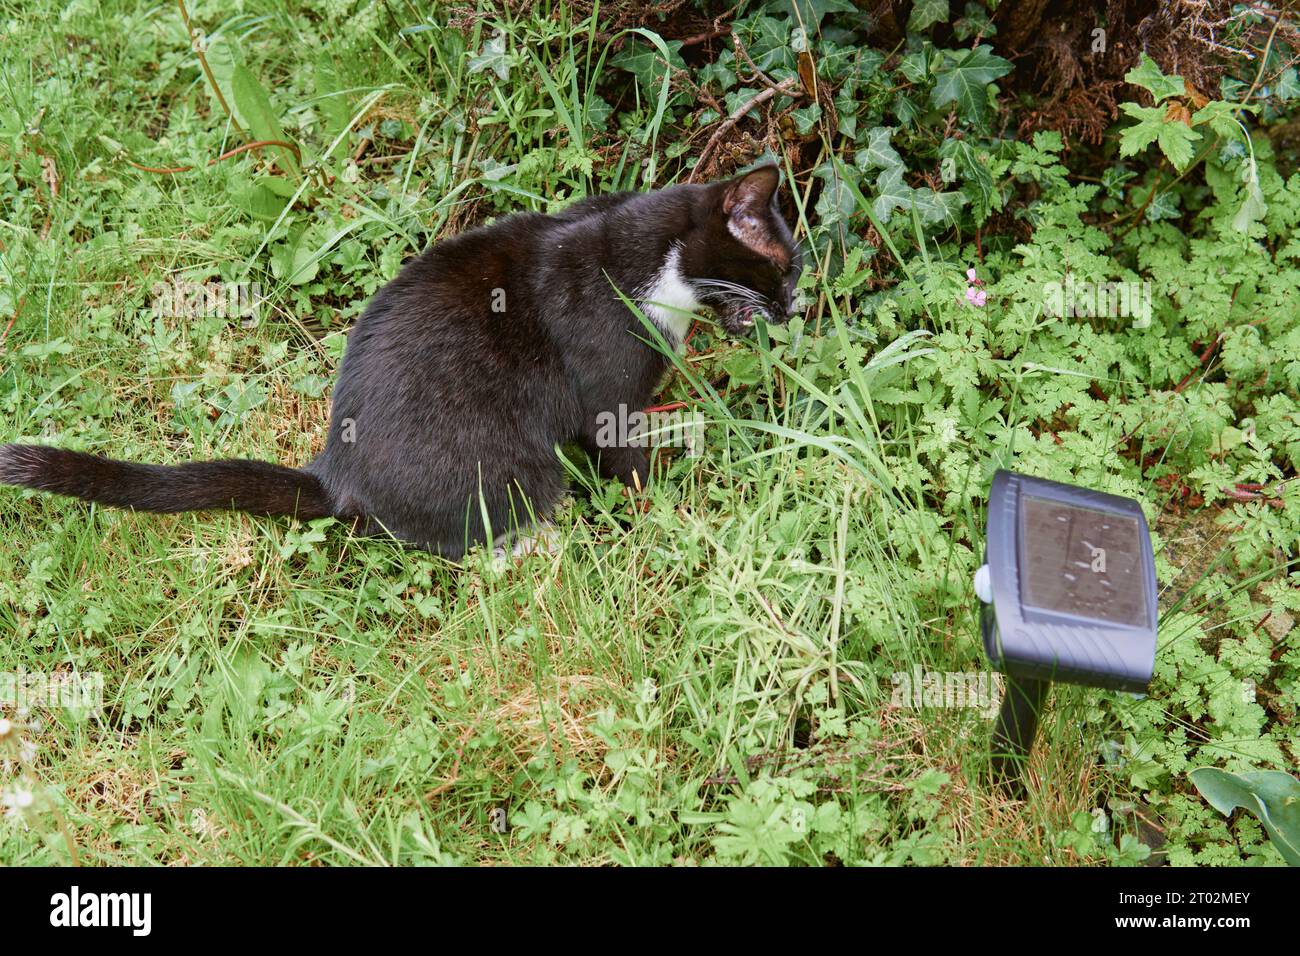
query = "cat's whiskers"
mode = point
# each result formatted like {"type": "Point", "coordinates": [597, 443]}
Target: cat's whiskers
{"type": "Point", "coordinates": [724, 286]}
{"type": "Point", "coordinates": [730, 296]}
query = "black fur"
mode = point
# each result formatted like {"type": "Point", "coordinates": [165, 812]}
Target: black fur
{"type": "Point", "coordinates": [255, 486]}
{"type": "Point", "coordinates": [445, 410]}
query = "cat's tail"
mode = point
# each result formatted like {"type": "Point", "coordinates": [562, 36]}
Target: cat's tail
{"type": "Point", "coordinates": [258, 487]}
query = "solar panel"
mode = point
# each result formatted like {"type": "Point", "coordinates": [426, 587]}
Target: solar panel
{"type": "Point", "coordinates": [1082, 562]}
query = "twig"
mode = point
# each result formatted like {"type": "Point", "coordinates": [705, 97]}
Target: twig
{"type": "Point", "coordinates": [207, 70]}
{"type": "Point", "coordinates": [1254, 491]}
{"type": "Point", "coordinates": [743, 54]}
{"type": "Point", "coordinates": [684, 77]}
{"type": "Point", "coordinates": [1263, 61]}
{"type": "Point", "coordinates": [718, 30]}
{"type": "Point", "coordinates": [670, 407]}
{"type": "Point", "coordinates": [706, 36]}
{"type": "Point", "coordinates": [1200, 364]}
{"type": "Point", "coordinates": [380, 160]}
{"type": "Point", "coordinates": [17, 312]}
{"type": "Point", "coordinates": [260, 144]}
{"type": "Point", "coordinates": [716, 384]}
{"type": "Point", "coordinates": [160, 170]}
{"type": "Point", "coordinates": [50, 175]}
{"type": "Point", "coordinates": [1137, 218]}
{"type": "Point", "coordinates": [786, 88]}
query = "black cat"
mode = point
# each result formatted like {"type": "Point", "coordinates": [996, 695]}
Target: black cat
{"type": "Point", "coordinates": [485, 353]}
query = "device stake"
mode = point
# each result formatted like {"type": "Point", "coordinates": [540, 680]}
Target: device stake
{"type": "Point", "coordinates": [1013, 737]}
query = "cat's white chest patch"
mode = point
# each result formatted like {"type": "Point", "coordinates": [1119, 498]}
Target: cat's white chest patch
{"type": "Point", "coordinates": [669, 301]}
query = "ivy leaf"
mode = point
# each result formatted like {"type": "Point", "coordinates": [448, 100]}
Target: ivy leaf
{"type": "Point", "coordinates": [906, 109]}
{"type": "Point", "coordinates": [1113, 180]}
{"type": "Point", "coordinates": [877, 153]}
{"type": "Point", "coordinates": [975, 22]}
{"type": "Point", "coordinates": [647, 64]}
{"type": "Point", "coordinates": [1149, 76]}
{"type": "Point", "coordinates": [738, 98]}
{"type": "Point", "coordinates": [598, 111]}
{"type": "Point", "coordinates": [1163, 206]}
{"type": "Point", "coordinates": [977, 179]}
{"type": "Point", "coordinates": [1288, 84]}
{"type": "Point", "coordinates": [805, 119]}
{"type": "Point", "coordinates": [809, 13]}
{"type": "Point", "coordinates": [965, 79]}
{"type": "Point", "coordinates": [836, 202]}
{"type": "Point", "coordinates": [891, 193]}
{"type": "Point", "coordinates": [935, 208]}
{"type": "Point", "coordinates": [865, 64]}
{"type": "Point", "coordinates": [721, 73]}
{"type": "Point", "coordinates": [492, 58]}
{"type": "Point", "coordinates": [915, 66]}
{"type": "Point", "coordinates": [926, 13]}
{"type": "Point", "coordinates": [767, 40]}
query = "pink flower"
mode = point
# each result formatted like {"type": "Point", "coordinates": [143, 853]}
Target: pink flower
{"type": "Point", "coordinates": [970, 275]}
{"type": "Point", "coordinates": [976, 297]}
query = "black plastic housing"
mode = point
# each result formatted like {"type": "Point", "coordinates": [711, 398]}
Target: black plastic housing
{"type": "Point", "coordinates": [1040, 643]}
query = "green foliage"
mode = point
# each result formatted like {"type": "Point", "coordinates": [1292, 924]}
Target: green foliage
{"type": "Point", "coordinates": [707, 680]}
{"type": "Point", "coordinates": [1174, 129]}
{"type": "Point", "coordinates": [964, 80]}
{"type": "Point", "coordinates": [1273, 797]}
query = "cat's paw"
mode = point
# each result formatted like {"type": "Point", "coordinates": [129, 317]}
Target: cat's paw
{"type": "Point", "coordinates": [541, 540]}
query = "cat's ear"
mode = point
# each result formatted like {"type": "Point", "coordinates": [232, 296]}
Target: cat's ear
{"type": "Point", "coordinates": [747, 202]}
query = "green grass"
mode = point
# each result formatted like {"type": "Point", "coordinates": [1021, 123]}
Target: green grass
{"type": "Point", "coordinates": [707, 681]}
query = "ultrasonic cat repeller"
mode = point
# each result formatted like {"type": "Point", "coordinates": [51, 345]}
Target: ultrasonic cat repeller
{"type": "Point", "coordinates": [1069, 592]}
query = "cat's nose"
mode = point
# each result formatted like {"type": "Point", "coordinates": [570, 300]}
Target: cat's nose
{"type": "Point", "coordinates": [790, 295]}
{"type": "Point", "coordinates": [786, 303]}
